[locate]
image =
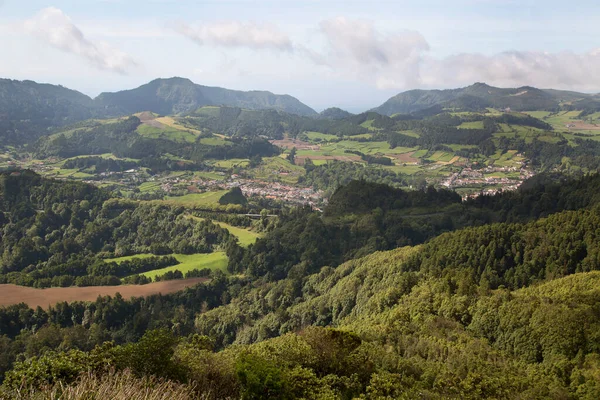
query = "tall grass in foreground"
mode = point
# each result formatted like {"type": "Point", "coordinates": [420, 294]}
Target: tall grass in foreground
{"type": "Point", "coordinates": [120, 386]}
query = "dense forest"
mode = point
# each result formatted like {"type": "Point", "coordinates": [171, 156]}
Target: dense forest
{"type": "Point", "coordinates": [52, 233]}
{"type": "Point", "coordinates": [387, 294]}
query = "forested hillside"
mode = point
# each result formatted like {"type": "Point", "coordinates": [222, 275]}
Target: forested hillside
{"type": "Point", "coordinates": [503, 309]}
{"type": "Point", "coordinates": [178, 95]}
{"type": "Point", "coordinates": [480, 96]}
{"type": "Point", "coordinates": [29, 109]}
{"type": "Point", "coordinates": [57, 233]}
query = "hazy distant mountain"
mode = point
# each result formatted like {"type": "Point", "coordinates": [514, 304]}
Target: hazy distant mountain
{"type": "Point", "coordinates": [28, 109]}
{"type": "Point", "coordinates": [480, 96]}
{"type": "Point", "coordinates": [335, 113]}
{"type": "Point", "coordinates": [177, 95]}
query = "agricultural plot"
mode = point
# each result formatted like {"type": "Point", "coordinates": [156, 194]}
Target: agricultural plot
{"type": "Point", "coordinates": [278, 169]}
{"type": "Point", "coordinates": [538, 114]}
{"type": "Point", "coordinates": [320, 137]}
{"type": "Point", "coordinates": [233, 163]}
{"type": "Point", "coordinates": [197, 199]}
{"type": "Point", "coordinates": [13, 294]}
{"type": "Point", "coordinates": [245, 237]}
{"type": "Point", "coordinates": [471, 125]}
{"type": "Point", "coordinates": [210, 175]}
{"type": "Point", "coordinates": [187, 262]}
{"type": "Point", "coordinates": [165, 132]}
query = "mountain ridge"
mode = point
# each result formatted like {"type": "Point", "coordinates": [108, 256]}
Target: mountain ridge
{"type": "Point", "coordinates": [176, 95]}
{"type": "Point", "coordinates": [29, 110]}
{"type": "Point", "coordinates": [481, 95]}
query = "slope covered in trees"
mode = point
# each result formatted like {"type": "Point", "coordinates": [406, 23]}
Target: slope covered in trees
{"type": "Point", "coordinates": [479, 96]}
{"type": "Point", "coordinates": [30, 109]}
{"type": "Point", "coordinates": [499, 301]}
{"type": "Point", "coordinates": [53, 233]}
{"type": "Point", "coordinates": [178, 95]}
{"type": "Point", "coordinates": [397, 331]}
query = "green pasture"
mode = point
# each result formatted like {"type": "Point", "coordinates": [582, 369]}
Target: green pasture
{"type": "Point", "coordinates": [197, 199]}
{"type": "Point", "coordinates": [187, 262]}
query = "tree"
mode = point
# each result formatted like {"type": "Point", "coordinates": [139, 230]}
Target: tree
{"type": "Point", "coordinates": [292, 156]}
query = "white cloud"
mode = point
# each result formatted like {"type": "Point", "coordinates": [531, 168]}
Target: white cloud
{"type": "Point", "coordinates": [401, 61]}
{"type": "Point", "coordinates": [237, 34]}
{"type": "Point", "coordinates": [52, 26]}
{"type": "Point", "coordinates": [357, 46]}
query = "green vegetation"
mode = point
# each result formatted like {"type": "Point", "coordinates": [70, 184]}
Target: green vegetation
{"type": "Point", "coordinates": [197, 199]}
{"type": "Point", "coordinates": [216, 261]}
{"type": "Point", "coordinates": [393, 288]}
{"type": "Point", "coordinates": [386, 294]}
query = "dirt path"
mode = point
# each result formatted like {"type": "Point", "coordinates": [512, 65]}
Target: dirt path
{"type": "Point", "coordinates": [13, 294]}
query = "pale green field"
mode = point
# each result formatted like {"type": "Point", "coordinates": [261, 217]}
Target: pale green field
{"type": "Point", "coordinates": [245, 236]}
{"type": "Point", "coordinates": [471, 125]}
{"type": "Point", "coordinates": [369, 125]}
{"type": "Point", "coordinates": [234, 162]}
{"type": "Point", "coordinates": [538, 114]}
{"type": "Point", "coordinates": [278, 168]}
{"type": "Point", "coordinates": [319, 162]}
{"type": "Point", "coordinates": [214, 261]}
{"type": "Point", "coordinates": [167, 133]}
{"type": "Point", "coordinates": [559, 120]}
{"type": "Point", "coordinates": [441, 156]}
{"type": "Point", "coordinates": [419, 153]}
{"type": "Point", "coordinates": [508, 159]}
{"type": "Point", "coordinates": [149, 186]}
{"type": "Point", "coordinates": [362, 135]}
{"type": "Point", "coordinates": [209, 175]}
{"type": "Point", "coordinates": [320, 136]}
{"type": "Point", "coordinates": [197, 199]}
{"type": "Point", "coordinates": [69, 173]}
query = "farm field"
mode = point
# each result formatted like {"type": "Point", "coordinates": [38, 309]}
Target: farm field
{"type": "Point", "coordinates": [471, 125]}
{"type": "Point", "coordinates": [214, 261]}
{"type": "Point", "coordinates": [187, 262]}
{"type": "Point", "coordinates": [321, 137]}
{"type": "Point", "coordinates": [197, 199]}
{"type": "Point", "coordinates": [245, 236]}
{"type": "Point", "coordinates": [13, 294]}
{"type": "Point", "coordinates": [234, 162]}
{"type": "Point", "coordinates": [165, 132]}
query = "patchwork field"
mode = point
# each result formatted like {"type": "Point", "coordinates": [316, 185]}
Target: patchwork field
{"type": "Point", "coordinates": [245, 236]}
{"type": "Point", "coordinates": [197, 199]}
{"type": "Point", "coordinates": [13, 294]}
{"type": "Point", "coordinates": [187, 262]}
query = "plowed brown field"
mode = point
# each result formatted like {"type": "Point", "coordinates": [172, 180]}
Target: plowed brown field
{"type": "Point", "coordinates": [13, 294]}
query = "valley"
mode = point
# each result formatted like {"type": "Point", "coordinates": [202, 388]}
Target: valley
{"type": "Point", "coordinates": [241, 245]}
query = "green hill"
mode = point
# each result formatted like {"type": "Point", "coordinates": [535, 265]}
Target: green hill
{"type": "Point", "coordinates": [179, 95]}
{"type": "Point", "coordinates": [29, 109]}
{"type": "Point", "coordinates": [480, 96]}
{"type": "Point", "coordinates": [335, 113]}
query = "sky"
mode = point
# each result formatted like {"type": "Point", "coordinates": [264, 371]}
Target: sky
{"type": "Point", "coordinates": [349, 54]}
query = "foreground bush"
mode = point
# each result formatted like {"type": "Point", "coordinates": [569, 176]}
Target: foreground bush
{"type": "Point", "coordinates": [121, 386]}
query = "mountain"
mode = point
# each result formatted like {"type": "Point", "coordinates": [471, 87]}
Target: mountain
{"type": "Point", "coordinates": [28, 109]}
{"type": "Point", "coordinates": [480, 96]}
{"type": "Point", "coordinates": [178, 95]}
{"type": "Point", "coordinates": [335, 113]}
